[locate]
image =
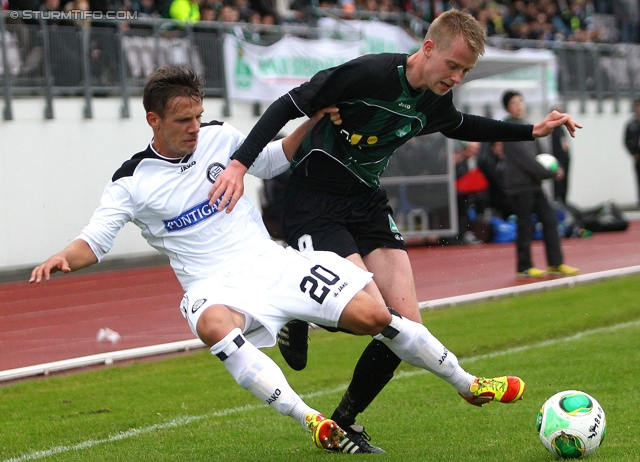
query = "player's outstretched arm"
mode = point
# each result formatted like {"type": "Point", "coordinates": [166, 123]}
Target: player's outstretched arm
{"type": "Point", "coordinates": [229, 186]}
{"type": "Point", "coordinates": [553, 120]}
{"type": "Point", "coordinates": [75, 256]}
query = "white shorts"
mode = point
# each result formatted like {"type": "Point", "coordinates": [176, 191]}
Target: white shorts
{"type": "Point", "coordinates": [279, 285]}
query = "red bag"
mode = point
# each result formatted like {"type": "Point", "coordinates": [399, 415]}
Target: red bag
{"type": "Point", "coordinates": [471, 182]}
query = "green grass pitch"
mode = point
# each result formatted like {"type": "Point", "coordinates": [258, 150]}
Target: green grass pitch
{"type": "Point", "coordinates": [188, 408]}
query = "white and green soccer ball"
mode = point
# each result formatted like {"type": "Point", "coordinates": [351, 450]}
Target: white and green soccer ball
{"type": "Point", "coordinates": [548, 161]}
{"type": "Point", "coordinates": [571, 424]}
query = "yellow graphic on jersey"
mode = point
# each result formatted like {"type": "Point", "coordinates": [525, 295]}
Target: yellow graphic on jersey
{"type": "Point", "coordinates": [356, 138]}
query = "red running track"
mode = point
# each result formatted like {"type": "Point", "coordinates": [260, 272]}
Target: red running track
{"type": "Point", "coordinates": [60, 319]}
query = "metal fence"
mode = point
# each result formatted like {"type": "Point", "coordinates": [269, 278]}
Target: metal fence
{"type": "Point", "coordinates": [588, 70]}
{"type": "Point", "coordinates": [54, 57]}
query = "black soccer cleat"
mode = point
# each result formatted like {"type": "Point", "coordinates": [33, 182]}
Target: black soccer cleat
{"type": "Point", "coordinates": [356, 441]}
{"type": "Point", "coordinates": [293, 341]}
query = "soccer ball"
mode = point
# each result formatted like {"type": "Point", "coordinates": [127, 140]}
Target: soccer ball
{"type": "Point", "coordinates": [548, 161]}
{"type": "Point", "coordinates": [571, 424]}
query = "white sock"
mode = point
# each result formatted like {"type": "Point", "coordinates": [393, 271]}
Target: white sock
{"type": "Point", "coordinates": [414, 344]}
{"type": "Point", "coordinates": [256, 372]}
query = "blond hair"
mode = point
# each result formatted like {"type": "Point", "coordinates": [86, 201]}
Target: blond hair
{"type": "Point", "coordinates": [455, 23]}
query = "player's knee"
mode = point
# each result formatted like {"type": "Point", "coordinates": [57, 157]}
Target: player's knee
{"type": "Point", "coordinates": [380, 320]}
{"type": "Point", "coordinates": [214, 324]}
{"type": "Point", "coordinates": [364, 319]}
{"type": "Point", "coordinates": [392, 327]}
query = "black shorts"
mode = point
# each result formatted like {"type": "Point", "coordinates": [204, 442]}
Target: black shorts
{"type": "Point", "coordinates": [342, 224]}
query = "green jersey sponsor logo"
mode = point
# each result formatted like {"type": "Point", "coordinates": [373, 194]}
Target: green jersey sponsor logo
{"type": "Point", "coordinates": [392, 225]}
{"type": "Point", "coordinates": [403, 131]}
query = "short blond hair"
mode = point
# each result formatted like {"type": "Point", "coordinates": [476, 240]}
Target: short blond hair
{"type": "Point", "coordinates": [456, 23]}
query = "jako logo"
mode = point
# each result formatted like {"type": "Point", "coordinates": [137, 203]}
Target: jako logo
{"type": "Point", "coordinates": [186, 167]}
{"type": "Point", "coordinates": [274, 397]}
{"type": "Point", "coordinates": [444, 356]}
{"type": "Point", "coordinates": [404, 105]}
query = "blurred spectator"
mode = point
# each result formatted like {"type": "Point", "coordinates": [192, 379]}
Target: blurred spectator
{"type": "Point", "coordinates": [632, 141]}
{"type": "Point", "coordinates": [229, 13]}
{"type": "Point", "coordinates": [163, 7]}
{"type": "Point", "coordinates": [145, 8]}
{"type": "Point", "coordinates": [492, 164]}
{"type": "Point", "coordinates": [50, 5]}
{"type": "Point", "coordinates": [105, 50]}
{"type": "Point", "coordinates": [79, 5]}
{"type": "Point", "coordinates": [244, 9]}
{"type": "Point", "coordinates": [65, 44]}
{"type": "Point", "coordinates": [23, 4]}
{"type": "Point", "coordinates": [491, 18]}
{"type": "Point", "coordinates": [471, 189]}
{"type": "Point", "coordinates": [514, 17]}
{"type": "Point", "coordinates": [187, 11]}
{"type": "Point", "coordinates": [207, 13]}
{"type": "Point", "coordinates": [265, 8]}
{"type": "Point", "coordinates": [560, 29]}
{"type": "Point", "coordinates": [627, 19]}
{"type": "Point", "coordinates": [269, 20]}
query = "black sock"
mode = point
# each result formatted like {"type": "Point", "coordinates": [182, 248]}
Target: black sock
{"type": "Point", "coordinates": [374, 370]}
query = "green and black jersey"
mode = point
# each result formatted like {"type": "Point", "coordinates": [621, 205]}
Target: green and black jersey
{"type": "Point", "coordinates": [380, 112]}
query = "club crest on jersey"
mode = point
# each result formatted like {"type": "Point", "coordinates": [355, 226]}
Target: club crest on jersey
{"type": "Point", "coordinates": [213, 171]}
{"type": "Point", "coordinates": [403, 131]}
{"type": "Point", "coordinates": [198, 304]}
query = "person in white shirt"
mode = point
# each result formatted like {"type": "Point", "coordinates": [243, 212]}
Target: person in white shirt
{"type": "Point", "coordinates": [240, 286]}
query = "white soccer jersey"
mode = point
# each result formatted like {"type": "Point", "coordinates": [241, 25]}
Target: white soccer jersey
{"type": "Point", "coordinates": [167, 199]}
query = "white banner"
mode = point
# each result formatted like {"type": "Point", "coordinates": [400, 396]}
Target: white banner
{"type": "Point", "coordinates": [264, 73]}
{"type": "Point", "coordinates": [258, 73]}
{"type": "Point", "coordinates": [379, 37]}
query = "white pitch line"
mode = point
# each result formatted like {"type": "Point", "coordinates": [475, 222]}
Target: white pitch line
{"type": "Point", "coordinates": [189, 419]}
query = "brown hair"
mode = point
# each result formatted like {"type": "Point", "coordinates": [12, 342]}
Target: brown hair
{"type": "Point", "coordinates": [455, 23]}
{"type": "Point", "coordinates": [169, 82]}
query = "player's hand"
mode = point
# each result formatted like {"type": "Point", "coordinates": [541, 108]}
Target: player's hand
{"type": "Point", "coordinates": [229, 186]}
{"type": "Point", "coordinates": [553, 120]}
{"type": "Point", "coordinates": [53, 264]}
{"type": "Point", "coordinates": [331, 110]}
{"type": "Point", "coordinates": [308, 125]}
{"type": "Point", "coordinates": [335, 115]}
{"type": "Point", "coordinates": [559, 174]}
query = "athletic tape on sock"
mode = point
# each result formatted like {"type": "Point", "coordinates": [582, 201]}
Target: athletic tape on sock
{"type": "Point", "coordinates": [230, 343]}
{"type": "Point", "coordinates": [392, 329]}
